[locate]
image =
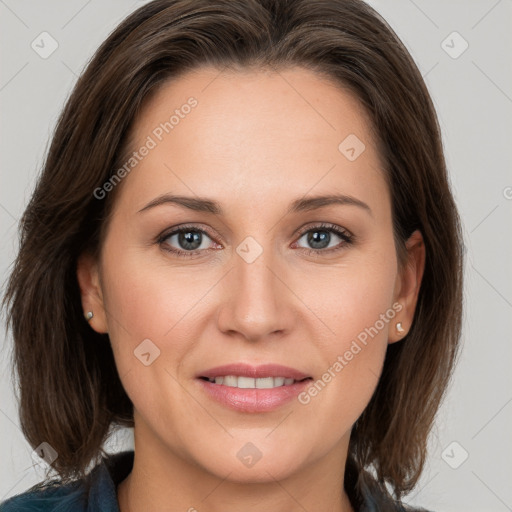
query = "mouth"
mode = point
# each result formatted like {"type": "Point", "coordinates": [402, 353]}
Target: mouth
{"type": "Point", "coordinates": [242, 382]}
{"type": "Point", "coordinates": [247, 388]}
{"type": "Point", "coordinates": [246, 376]}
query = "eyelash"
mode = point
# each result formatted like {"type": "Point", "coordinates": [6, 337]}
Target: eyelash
{"type": "Point", "coordinates": [347, 239]}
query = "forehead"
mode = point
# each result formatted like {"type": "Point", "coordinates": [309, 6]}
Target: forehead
{"type": "Point", "coordinates": [251, 134]}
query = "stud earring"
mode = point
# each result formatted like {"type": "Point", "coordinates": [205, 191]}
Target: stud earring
{"type": "Point", "coordinates": [89, 315]}
{"type": "Point", "coordinates": [399, 328]}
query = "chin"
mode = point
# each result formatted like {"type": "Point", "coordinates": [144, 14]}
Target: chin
{"type": "Point", "coordinates": [245, 463]}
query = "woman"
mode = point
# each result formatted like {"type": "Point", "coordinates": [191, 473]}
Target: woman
{"type": "Point", "coordinates": [243, 245]}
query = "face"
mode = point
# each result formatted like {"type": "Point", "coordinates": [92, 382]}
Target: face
{"type": "Point", "coordinates": [250, 341]}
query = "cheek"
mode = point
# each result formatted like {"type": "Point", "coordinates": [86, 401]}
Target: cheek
{"type": "Point", "coordinates": [153, 326]}
{"type": "Point", "coordinates": [357, 308]}
{"type": "Point", "coordinates": [350, 298]}
{"type": "Point", "coordinates": [146, 298]}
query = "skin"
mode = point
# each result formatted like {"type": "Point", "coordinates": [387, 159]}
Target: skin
{"type": "Point", "coordinates": [256, 141]}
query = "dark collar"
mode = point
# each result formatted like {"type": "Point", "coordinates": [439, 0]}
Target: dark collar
{"type": "Point", "coordinates": [104, 479]}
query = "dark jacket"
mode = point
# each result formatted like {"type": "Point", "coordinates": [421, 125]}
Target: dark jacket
{"type": "Point", "coordinates": [97, 493]}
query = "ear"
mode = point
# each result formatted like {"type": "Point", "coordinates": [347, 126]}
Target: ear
{"type": "Point", "coordinates": [91, 292]}
{"type": "Point", "coordinates": [407, 285]}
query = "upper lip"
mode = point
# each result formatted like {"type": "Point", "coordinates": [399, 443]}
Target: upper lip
{"type": "Point", "coordinates": [246, 370]}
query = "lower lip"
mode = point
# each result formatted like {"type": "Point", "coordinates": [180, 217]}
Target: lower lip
{"type": "Point", "coordinates": [252, 399]}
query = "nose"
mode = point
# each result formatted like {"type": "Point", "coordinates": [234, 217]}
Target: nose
{"type": "Point", "coordinates": [257, 302]}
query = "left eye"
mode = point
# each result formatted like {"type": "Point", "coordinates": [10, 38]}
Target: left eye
{"type": "Point", "coordinates": [320, 238]}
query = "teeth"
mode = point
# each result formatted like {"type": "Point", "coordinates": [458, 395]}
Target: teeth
{"type": "Point", "coordinates": [246, 382]}
{"type": "Point", "coordinates": [279, 381]}
{"type": "Point", "coordinates": [250, 383]}
{"type": "Point", "coordinates": [266, 383]}
{"type": "Point", "coordinates": [231, 381]}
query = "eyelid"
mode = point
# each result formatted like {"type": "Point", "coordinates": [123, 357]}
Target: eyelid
{"type": "Point", "coordinates": [326, 226]}
{"type": "Point", "coordinates": [183, 227]}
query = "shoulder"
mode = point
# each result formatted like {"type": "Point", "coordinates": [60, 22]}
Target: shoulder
{"type": "Point", "coordinates": [379, 501]}
{"type": "Point", "coordinates": [97, 491]}
{"type": "Point", "coordinates": [369, 495]}
{"type": "Point", "coordinates": [383, 502]}
{"type": "Point", "coordinates": [50, 497]}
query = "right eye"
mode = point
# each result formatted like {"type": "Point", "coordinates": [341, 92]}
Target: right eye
{"type": "Point", "coordinates": [186, 241]}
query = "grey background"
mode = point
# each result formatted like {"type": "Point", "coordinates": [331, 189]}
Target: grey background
{"type": "Point", "coordinates": [473, 97]}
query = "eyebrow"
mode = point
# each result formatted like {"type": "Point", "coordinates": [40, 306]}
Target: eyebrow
{"type": "Point", "coordinates": [203, 204]}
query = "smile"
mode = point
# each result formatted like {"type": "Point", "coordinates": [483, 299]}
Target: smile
{"type": "Point", "coordinates": [243, 382]}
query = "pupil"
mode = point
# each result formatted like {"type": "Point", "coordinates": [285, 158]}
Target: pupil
{"type": "Point", "coordinates": [188, 239]}
{"type": "Point", "coordinates": [318, 241]}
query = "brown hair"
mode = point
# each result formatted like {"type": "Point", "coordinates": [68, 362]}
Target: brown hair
{"type": "Point", "coordinates": [70, 394]}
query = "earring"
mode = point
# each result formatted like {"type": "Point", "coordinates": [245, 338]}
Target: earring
{"type": "Point", "coordinates": [89, 315]}
{"type": "Point", "coordinates": [399, 328]}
